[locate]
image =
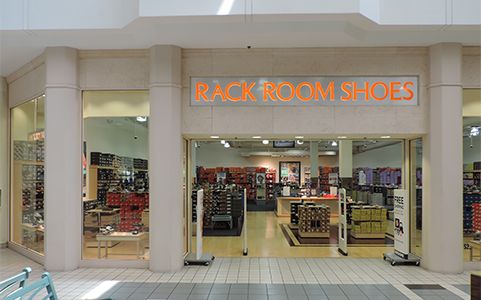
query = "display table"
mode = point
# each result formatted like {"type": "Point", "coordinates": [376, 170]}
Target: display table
{"type": "Point", "coordinates": [284, 206]}
{"type": "Point", "coordinates": [121, 237]}
{"type": "Point", "coordinates": [474, 245]}
{"type": "Point", "coordinates": [100, 213]}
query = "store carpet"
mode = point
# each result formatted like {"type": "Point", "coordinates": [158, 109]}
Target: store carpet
{"type": "Point", "coordinates": [294, 239]}
{"type": "Point", "coordinates": [220, 230]}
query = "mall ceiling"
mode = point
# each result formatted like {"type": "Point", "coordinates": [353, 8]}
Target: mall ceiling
{"type": "Point", "coordinates": [17, 47]}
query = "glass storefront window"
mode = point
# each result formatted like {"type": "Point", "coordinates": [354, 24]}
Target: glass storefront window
{"type": "Point", "coordinates": [472, 187]}
{"type": "Point", "coordinates": [116, 180]}
{"type": "Point", "coordinates": [27, 174]}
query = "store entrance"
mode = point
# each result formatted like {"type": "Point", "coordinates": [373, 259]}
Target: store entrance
{"type": "Point", "coordinates": [291, 189]}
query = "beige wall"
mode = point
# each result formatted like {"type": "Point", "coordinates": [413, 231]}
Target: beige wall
{"type": "Point", "coordinates": [471, 64]}
{"type": "Point", "coordinates": [113, 70]}
{"type": "Point", "coordinates": [305, 120]}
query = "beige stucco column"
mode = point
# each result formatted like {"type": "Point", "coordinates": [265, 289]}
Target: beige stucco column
{"type": "Point", "coordinates": [3, 163]}
{"type": "Point", "coordinates": [442, 239]}
{"type": "Point", "coordinates": [63, 144]}
{"type": "Point", "coordinates": [345, 162]}
{"type": "Point", "coordinates": [165, 160]}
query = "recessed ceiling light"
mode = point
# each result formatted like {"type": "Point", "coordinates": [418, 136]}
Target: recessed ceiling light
{"type": "Point", "coordinates": [299, 137]}
{"type": "Point", "coordinates": [214, 136]}
{"type": "Point", "coordinates": [386, 137]}
{"type": "Point", "coordinates": [265, 142]}
{"type": "Point", "coordinates": [474, 131]}
{"type": "Point", "coordinates": [342, 137]}
{"type": "Point", "coordinates": [256, 137]}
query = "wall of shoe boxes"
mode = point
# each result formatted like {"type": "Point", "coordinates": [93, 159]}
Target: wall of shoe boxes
{"type": "Point", "coordinates": [122, 193]}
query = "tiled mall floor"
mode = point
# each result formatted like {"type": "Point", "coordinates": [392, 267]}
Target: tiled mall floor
{"type": "Point", "coordinates": [253, 278]}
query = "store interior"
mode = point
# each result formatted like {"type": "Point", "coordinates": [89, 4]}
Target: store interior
{"type": "Point", "coordinates": [290, 211]}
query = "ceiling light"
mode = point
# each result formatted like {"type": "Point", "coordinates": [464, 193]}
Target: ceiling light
{"type": "Point", "coordinates": [222, 142]}
{"type": "Point", "coordinates": [474, 131]}
{"type": "Point", "coordinates": [386, 137]}
{"type": "Point", "coordinates": [141, 119]}
{"type": "Point", "coordinates": [342, 137]}
{"type": "Point", "coordinates": [214, 136]}
{"type": "Point", "coordinates": [334, 144]}
{"type": "Point", "coordinates": [227, 145]}
{"type": "Point", "coordinates": [299, 142]}
{"type": "Point", "coordinates": [265, 142]}
{"type": "Point", "coordinates": [256, 137]}
{"type": "Point", "coordinates": [299, 137]}
{"type": "Point", "coordinates": [327, 153]}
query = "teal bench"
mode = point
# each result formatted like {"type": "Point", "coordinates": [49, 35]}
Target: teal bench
{"type": "Point", "coordinates": [28, 291]}
{"type": "Point", "coordinates": [10, 283]}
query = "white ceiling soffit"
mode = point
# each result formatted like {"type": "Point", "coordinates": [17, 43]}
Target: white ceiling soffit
{"type": "Point", "coordinates": [28, 26]}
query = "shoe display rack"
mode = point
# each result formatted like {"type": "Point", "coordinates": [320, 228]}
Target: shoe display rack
{"type": "Point", "coordinates": [270, 181]}
{"type": "Point", "coordinates": [242, 177]}
{"type": "Point", "coordinates": [476, 218]}
{"type": "Point", "coordinates": [28, 192]}
{"type": "Point", "coordinates": [314, 221]}
{"type": "Point", "coordinates": [470, 201]}
{"type": "Point", "coordinates": [219, 200]}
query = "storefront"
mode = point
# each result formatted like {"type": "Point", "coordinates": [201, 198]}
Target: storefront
{"type": "Point", "coordinates": [94, 100]}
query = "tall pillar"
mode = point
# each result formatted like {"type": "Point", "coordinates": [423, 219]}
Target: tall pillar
{"type": "Point", "coordinates": [165, 167]}
{"type": "Point", "coordinates": [345, 163]}
{"type": "Point", "coordinates": [4, 142]}
{"type": "Point", "coordinates": [314, 156]}
{"type": "Point", "coordinates": [63, 144]}
{"type": "Point", "coordinates": [442, 239]}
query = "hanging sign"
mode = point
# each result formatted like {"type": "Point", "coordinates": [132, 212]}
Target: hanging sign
{"type": "Point", "coordinates": [401, 223]}
{"type": "Point", "coordinates": [304, 90]}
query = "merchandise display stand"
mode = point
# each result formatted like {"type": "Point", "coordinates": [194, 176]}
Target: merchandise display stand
{"type": "Point", "coordinates": [342, 222]}
{"type": "Point", "coordinates": [245, 249]}
{"type": "Point", "coordinates": [199, 258]}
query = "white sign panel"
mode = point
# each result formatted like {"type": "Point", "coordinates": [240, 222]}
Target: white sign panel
{"type": "Point", "coordinates": [401, 222]}
{"type": "Point", "coordinates": [305, 90]}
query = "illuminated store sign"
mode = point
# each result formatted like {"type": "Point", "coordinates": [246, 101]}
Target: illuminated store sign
{"type": "Point", "coordinates": [302, 90]}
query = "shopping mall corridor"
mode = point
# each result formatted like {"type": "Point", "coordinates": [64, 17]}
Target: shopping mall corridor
{"type": "Point", "coordinates": [253, 278]}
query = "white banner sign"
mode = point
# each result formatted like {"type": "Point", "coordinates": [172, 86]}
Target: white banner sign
{"type": "Point", "coordinates": [305, 90]}
{"type": "Point", "coordinates": [401, 222]}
